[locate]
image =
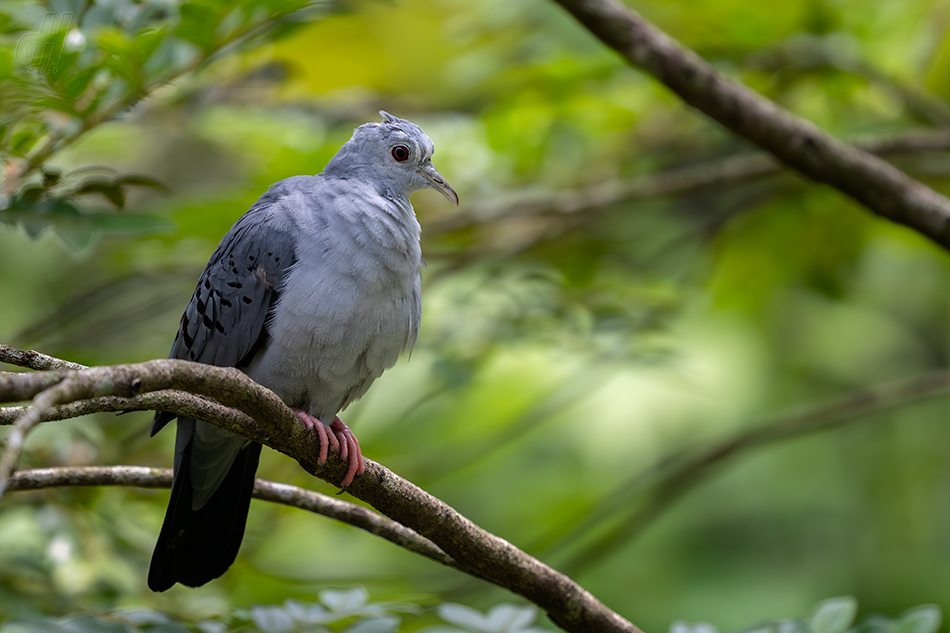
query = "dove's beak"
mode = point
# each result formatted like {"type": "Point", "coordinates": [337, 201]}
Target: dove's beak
{"type": "Point", "coordinates": [437, 182]}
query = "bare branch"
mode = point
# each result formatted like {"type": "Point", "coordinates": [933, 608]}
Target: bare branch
{"type": "Point", "coordinates": [331, 507]}
{"type": "Point", "coordinates": [34, 360]}
{"type": "Point", "coordinates": [476, 552]}
{"type": "Point", "coordinates": [877, 185]}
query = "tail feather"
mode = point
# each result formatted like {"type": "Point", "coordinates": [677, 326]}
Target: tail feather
{"type": "Point", "coordinates": [196, 546]}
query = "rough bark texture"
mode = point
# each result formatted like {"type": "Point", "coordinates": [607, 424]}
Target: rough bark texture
{"type": "Point", "coordinates": [272, 423]}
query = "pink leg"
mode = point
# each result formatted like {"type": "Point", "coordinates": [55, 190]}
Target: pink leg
{"type": "Point", "coordinates": [327, 440]}
{"type": "Point", "coordinates": [339, 438]}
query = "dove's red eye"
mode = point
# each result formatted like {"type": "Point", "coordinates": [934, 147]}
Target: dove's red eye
{"type": "Point", "coordinates": [401, 153]}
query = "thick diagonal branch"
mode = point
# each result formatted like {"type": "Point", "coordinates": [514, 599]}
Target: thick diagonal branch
{"type": "Point", "coordinates": [874, 183]}
{"type": "Point", "coordinates": [271, 422]}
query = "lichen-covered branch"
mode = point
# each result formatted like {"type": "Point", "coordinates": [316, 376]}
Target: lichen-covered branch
{"type": "Point", "coordinates": [269, 421]}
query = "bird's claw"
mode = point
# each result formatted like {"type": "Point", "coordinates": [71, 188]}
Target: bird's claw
{"type": "Point", "coordinates": [338, 437]}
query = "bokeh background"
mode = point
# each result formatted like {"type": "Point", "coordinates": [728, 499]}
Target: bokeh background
{"type": "Point", "coordinates": [574, 337]}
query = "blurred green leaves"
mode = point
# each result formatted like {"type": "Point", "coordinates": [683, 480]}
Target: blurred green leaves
{"type": "Point", "coordinates": [73, 66]}
{"type": "Point", "coordinates": [348, 610]}
{"type": "Point", "coordinates": [835, 615]}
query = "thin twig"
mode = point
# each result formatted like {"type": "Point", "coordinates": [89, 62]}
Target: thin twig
{"type": "Point", "coordinates": [34, 360]}
{"type": "Point", "coordinates": [293, 496]}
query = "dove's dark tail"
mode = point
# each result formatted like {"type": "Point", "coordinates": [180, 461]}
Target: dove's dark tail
{"type": "Point", "coordinates": [196, 546]}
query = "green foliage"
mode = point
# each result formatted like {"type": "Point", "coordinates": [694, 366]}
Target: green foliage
{"type": "Point", "coordinates": [564, 354]}
{"type": "Point", "coordinates": [86, 64]}
{"type": "Point", "coordinates": [837, 615]}
{"type": "Point", "coordinates": [351, 612]}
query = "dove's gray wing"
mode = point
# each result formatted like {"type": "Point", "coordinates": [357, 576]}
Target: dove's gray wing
{"type": "Point", "coordinates": [225, 324]}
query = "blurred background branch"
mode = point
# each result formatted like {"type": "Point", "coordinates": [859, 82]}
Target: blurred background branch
{"type": "Point", "coordinates": [798, 143]}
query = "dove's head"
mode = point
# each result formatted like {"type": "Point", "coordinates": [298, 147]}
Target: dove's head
{"type": "Point", "coordinates": [395, 155]}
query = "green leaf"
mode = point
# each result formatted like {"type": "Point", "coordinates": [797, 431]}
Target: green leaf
{"type": "Point", "coordinates": [198, 24]}
{"type": "Point", "coordinates": [51, 176]}
{"type": "Point", "coordinates": [146, 616]}
{"type": "Point", "coordinates": [834, 615]}
{"type": "Point", "coordinates": [348, 600]}
{"type": "Point", "coordinates": [107, 188]}
{"type": "Point", "coordinates": [307, 613]}
{"type": "Point", "coordinates": [92, 624]}
{"type": "Point", "coordinates": [75, 85]}
{"type": "Point", "coordinates": [463, 616]}
{"type": "Point", "coordinates": [169, 627]}
{"type": "Point", "coordinates": [148, 41]}
{"type": "Point", "coordinates": [384, 624]}
{"type": "Point", "coordinates": [212, 626]}
{"type": "Point", "coordinates": [923, 619]}
{"type": "Point", "coordinates": [271, 619]}
{"type": "Point", "coordinates": [679, 626]}
{"type": "Point", "coordinates": [137, 180]}
{"type": "Point", "coordinates": [874, 623]}
{"type": "Point", "coordinates": [40, 626]}
{"type": "Point", "coordinates": [511, 618]}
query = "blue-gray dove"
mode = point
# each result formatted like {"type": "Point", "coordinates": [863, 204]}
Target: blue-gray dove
{"type": "Point", "coordinates": [313, 293]}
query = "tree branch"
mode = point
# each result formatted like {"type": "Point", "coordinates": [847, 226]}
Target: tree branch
{"type": "Point", "coordinates": [333, 508]}
{"type": "Point", "coordinates": [877, 185]}
{"type": "Point", "coordinates": [716, 173]}
{"type": "Point", "coordinates": [476, 551]}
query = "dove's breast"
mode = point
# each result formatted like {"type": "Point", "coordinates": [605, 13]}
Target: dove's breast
{"type": "Point", "coordinates": [348, 306]}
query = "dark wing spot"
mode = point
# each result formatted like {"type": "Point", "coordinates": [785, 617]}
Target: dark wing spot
{"type": "Point", "coordinates": [219, 327]}
{"type": "Point", "coordinates": [201, 306]}
{"type": "Point", "coordinates": [207, 322]}
{"type": "Point", "coordinates": [247, 300]}
{"type": "Point", "coordinates": [207, 284]}
{"type": "Point", "coordinates": [225, 302]}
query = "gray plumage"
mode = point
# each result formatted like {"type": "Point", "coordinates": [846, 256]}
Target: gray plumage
{"type": "Point", "coordinates": [314, 292]}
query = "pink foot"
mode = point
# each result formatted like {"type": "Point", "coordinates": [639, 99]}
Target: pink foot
{"type": "Point", "coordinates": [340, 439]}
